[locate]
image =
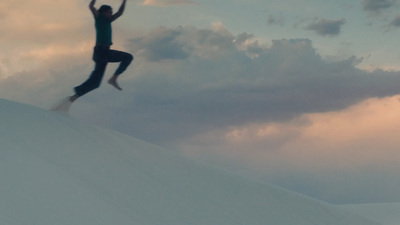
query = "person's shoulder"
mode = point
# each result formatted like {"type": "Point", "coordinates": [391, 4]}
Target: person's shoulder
{"type": "Point", "coordinates": [99, 17]}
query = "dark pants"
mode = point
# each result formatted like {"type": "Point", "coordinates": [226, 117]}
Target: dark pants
{"type": "Point", "coordinates": [102, 55]}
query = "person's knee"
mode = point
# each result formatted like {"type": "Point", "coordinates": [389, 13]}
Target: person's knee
{"type": "Point", "coordinates": [129, 58]}
{"type": "Point", "coordinates": [96, 85]}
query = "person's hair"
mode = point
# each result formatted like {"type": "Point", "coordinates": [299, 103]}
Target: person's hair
{"type": "Point", "coordinates": [104, 8]}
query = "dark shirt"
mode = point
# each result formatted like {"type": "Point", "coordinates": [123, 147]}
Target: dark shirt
{"type": "Point", "coordinates": [103, 31]}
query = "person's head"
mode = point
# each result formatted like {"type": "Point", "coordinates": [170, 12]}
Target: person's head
{"type": "Point", "coordinates": [106, 10]}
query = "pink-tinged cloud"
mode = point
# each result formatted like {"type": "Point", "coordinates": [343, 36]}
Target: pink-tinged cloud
{"type": "Point", "coordinates": [166, 2]}
{"type": "Point", "coordinates": [355, 138]}
{"type": "Point", "coordinates": [34, 33]}
{"type": "Point", "coordinates": [362, 135]}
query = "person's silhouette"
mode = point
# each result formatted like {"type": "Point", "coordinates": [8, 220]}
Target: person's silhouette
{"type": "Point", "coordinates": [102, 53]}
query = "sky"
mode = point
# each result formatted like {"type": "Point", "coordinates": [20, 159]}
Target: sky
{"type": "Point", "coordinates": [303, 94]}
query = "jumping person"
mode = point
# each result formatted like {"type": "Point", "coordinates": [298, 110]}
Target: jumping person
{"type": "Point", "coordinates": [102, 53]}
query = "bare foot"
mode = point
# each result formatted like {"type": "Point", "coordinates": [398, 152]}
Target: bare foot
{"type": "Point", "coordinates": [113, 82]}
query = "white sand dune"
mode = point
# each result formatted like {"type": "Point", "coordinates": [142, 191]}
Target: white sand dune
{"type": "Point", "coordinates": [54, 170]}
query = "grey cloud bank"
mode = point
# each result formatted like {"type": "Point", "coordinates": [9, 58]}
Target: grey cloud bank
{"type": "Point", "coordinates": [377, 5]}
{"type": "Point", "coordinates": [325, 27]}
{"type": "Point", "coordinates": [206, 78]}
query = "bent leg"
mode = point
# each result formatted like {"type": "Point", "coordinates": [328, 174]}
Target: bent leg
{"type": "Point", "coordinates": [125, 59]}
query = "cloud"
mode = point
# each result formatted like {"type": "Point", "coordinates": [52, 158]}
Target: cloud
{"type": "Point", "coordinates": [376, 6]}
{"type": "Point", "coordinates": [182, 42]}
{"type": "Point", "coordinates": [47, 81]}
{"type": "Point", "coordinates": [196, 80]}
{"type": "Point", "coordinates": [278, 20]}
{"type": "Point", "coordinates": [325, 27]}
{"type": "Point", "coordinates": [166, 2]}
{"type": "Point", "coordinates": [353, 138]}
{"type": "Point", "coordinates": [42, 23]}
{"type": "Point", "coordinates": [359, 142]}
{"type": "Point", "coordinates": [162, 44]}
{"type": "Point", "coordinates": [34, 29]}
{"type": "Point", "coordinates": [396, 21]}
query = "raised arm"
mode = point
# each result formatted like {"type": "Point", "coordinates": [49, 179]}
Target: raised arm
{"type": "Point", "coordinates": [120, 10]}
{"type": "Point", "coordinates": [93, 9]}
